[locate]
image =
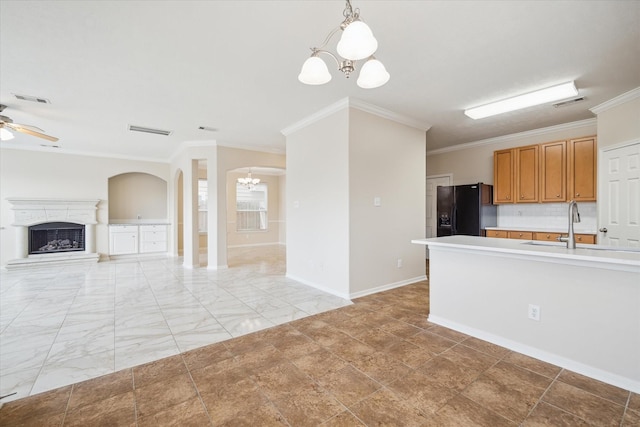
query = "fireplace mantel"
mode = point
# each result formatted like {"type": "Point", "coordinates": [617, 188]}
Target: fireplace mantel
{"type": "Point", "coordinates": [30, 211]}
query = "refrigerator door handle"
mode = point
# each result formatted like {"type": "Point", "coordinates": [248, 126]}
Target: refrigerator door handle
{"type": "Point", "coordinates": [454, 224]}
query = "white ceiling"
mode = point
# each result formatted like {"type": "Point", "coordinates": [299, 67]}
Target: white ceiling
{"type": "Point", "coordinates": [233, 66]}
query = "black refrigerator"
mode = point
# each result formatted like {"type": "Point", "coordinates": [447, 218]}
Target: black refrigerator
{"type": "Point", "coordinates": [466, 210]}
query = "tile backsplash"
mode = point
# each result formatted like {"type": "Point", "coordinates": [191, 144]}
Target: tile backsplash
{"type": "Point", "coordinates": [546, 216]}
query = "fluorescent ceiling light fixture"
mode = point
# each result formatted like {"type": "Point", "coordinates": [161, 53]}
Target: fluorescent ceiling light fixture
{"type": "Point", "coordinates": [542, 96]}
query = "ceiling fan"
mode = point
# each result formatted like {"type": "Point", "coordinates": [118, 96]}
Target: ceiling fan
{"type": "Point", "coordinates": [7, 123]}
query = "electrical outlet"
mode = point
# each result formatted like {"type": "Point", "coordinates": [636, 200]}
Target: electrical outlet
{"type": "Point", "coordinates": [399, 262]}
{"type": "Point", "coordinates": [534, 312]}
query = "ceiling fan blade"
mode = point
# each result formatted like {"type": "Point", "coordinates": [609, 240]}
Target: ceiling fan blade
{"type": "Point", "coordinates": [31, 127]}
{"type": "Point", "coordinates": [22, 129]}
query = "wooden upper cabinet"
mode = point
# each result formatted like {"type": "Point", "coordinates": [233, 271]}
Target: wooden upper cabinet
{"type": "Point", "coordinates": [553, 171]}
{"type": "Point", "coordinates": [582, 169]}
{"type": "Point", "coordinates": [503, 172]}
{"type": "Point", "coordinates": [527, 174]}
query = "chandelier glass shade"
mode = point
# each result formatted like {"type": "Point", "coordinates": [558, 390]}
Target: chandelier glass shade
{"type": "Point", "coordinates": [248, 182]}
{"type": "Point", "coordinates": [356, 43]}
{"type": "Point", "coordinates": [314, 72]}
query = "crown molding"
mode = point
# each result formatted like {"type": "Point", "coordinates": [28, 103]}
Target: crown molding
{"type": "Point", "coordinates": [262, 149]}
{"type": "Point", "coordinates": [388, 114]}
{"type": "Point", "coordinates": [515, 136]}
{"type": "Point", "coordinates": [60, 150]}
{"type": "Point", "coordinates": [360, 105]}
{"type": "Point", "coordinates": [618, 100]}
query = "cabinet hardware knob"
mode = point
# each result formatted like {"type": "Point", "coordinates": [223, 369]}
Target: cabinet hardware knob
{"type": "Point", "coordinates": [603, 230]}
{"type": "Point", "coordinates": [557, 195]}
{"type": "Point", "coordinates": [578, 194]}
{"type": "Point", "coordinates": [548, 236]}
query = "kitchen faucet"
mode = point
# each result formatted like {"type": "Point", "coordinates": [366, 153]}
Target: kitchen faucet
{"type": "Point", "coordinates": [574, 216]}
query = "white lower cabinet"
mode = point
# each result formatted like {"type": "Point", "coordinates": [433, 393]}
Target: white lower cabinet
{"type": "Point", "coordinates": [123, 239]}
{"type": "Point", "coordinates": [133, 239]}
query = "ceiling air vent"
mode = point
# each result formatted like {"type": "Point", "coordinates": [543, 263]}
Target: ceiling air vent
{"type": "Point", "coordinates": [134, 128]}
{"type": "Point", "coordinates": [569, 102]}
{"type": "Point", "coordinates": [32, 98]}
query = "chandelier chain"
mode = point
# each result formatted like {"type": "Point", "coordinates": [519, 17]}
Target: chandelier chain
{"type": "Point", "coordinates": [350, 13]}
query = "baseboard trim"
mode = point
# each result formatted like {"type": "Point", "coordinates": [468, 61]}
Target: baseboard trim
{"type": "Point", "coordinates": [319, 287]}
{"type": "Point", "coordinates": [257, 244]}
{"type": "Point", "coordinates": [555, 359]}
{"type": "Point", "coordinates": [387, 287]}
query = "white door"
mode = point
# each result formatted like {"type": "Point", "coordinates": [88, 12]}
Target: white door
{"type": "Point", "coordinates": [432, 183]}
{"type": "Point", "coordinates": [619, 198]}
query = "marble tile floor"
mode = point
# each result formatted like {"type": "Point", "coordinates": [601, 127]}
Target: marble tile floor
{"type": "Point", "coordinates": [67, 324]}
{"type": "Point", "coordinates": [375, 362]}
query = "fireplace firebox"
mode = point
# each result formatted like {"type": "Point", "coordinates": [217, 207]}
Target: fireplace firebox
{"type": "Point", "coordinates": [54, 237]}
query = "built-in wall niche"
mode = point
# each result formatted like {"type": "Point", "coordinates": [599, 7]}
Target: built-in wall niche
{"type": "Point", "coordinates": [137, 197]}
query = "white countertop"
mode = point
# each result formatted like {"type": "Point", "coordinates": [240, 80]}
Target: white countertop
{"type": "Point", "coordinates": [590, 253]}
{"type": "Point", "coordinates": [139, 222]}
{"type": "Point", "coordinates": [577, 230]}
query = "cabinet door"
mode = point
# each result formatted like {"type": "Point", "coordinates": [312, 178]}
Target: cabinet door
{"type": "Point", "coordinates": [527, 170]}
{"type": "Point", "coordinates": [582, 169]}
{"type": "Point", "coordinates": [503, 176]}
{"type": "Point", "coordinates": [553, 171]}
{"type": "Point", "coordinates": [124, 243]}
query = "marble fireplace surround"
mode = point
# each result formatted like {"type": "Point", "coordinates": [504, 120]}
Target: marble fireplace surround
{"type": "Point", "coordinates": [32, 211]}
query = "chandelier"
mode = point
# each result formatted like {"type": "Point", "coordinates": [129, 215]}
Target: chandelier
{"type": "Point", "coordinates": [357, 42]}
{"type": "Point", "coordinates": [249, 182]}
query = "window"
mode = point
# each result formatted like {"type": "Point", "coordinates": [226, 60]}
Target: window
{"type": "Point", "coordinates": [203, 197]}
{"type": "Point", "coordinates": [251, 207]}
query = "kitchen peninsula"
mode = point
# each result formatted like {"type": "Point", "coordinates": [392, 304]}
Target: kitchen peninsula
{"type": "Point", "coordinates": [576, 308]}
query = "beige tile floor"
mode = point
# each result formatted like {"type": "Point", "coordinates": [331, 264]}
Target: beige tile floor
{"type": "Point", "coordinates": [376, 362]}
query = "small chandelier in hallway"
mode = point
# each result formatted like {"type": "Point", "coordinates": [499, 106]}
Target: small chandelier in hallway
{"type": "Point", "coordinates": [249, 182]}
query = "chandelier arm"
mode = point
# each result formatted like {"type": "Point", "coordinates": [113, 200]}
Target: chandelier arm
{"type": "Point", "coordinates": [317, 51]}
{"type": "Point", "coordinates": [328, 38]}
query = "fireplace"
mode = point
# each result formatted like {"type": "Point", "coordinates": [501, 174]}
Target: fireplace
{"type": "Point", "coordinates": [54, 231]}
{"type": "Point", "coordinates": [52, 237]}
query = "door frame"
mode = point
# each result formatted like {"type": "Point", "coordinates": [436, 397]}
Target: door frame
{"type": "Point", "coordinates": [601, 207]}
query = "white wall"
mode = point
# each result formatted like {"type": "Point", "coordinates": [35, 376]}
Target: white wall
{"type": "Point", "coordinates": [318, 204]}
{"type": "Point", "coordinates": [56, 175]}
{"type": "Point", "coordinates": [386, 161]}
{"type": "Point", "coordinates": [138, 197]}
{"type": "Point", "coordinates": [337, 240]}
{"type": "Point", "coordinates": [282, 209]}
{"type": "Point", "coordinates": [620, 123]}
